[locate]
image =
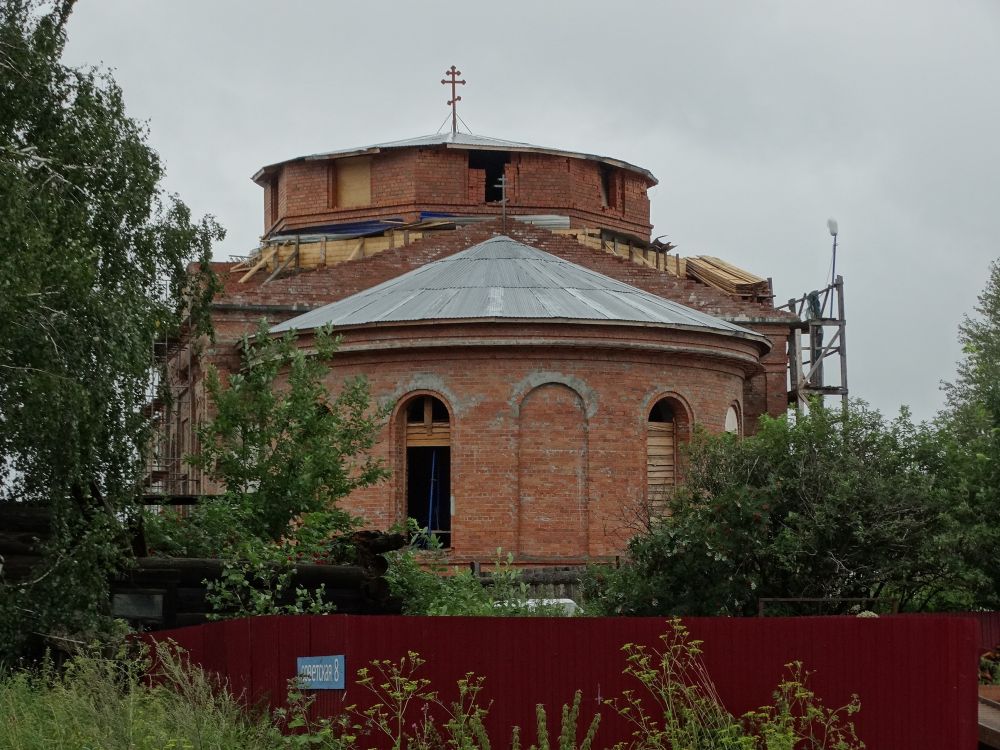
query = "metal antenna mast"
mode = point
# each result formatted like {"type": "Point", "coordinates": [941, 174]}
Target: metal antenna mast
{"type": "Point", "coordinates": [453, 73]}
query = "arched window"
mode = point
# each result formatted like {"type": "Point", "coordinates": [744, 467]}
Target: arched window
{"type": "Point", "coordinates": [661, 442]}
{"type": "Point", "coordinates": [665, 426]}
{"type": "Point", "coordinates": [732, 420]}
{"type": "Point", "coordinates": [428, 466]}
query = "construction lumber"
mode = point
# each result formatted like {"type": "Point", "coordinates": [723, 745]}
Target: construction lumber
{"type": "Point", "coordinates": [292, 256]}
{"type": "Point", "coordinates": [265, 258]}
{"type": "Point", "coordinates": [726, 277]}
{"type": "Point", "coordinates": [322, 252]}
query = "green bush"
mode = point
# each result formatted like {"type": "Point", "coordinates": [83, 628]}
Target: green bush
{"type": "Point", "coordinates": [422, 580]}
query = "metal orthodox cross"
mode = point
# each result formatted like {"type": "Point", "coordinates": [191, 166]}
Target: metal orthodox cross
{"type": "Point", "coordinates": [453, 73]}
{"type": "Point", "coordinates": [502, 184]}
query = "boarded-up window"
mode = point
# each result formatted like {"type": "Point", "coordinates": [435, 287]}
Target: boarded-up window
{"type": "Point", "coordinates": [272, 191]}
{"type": "Point", "coordinates": [354, 182]}
{"type": "Point", "coordinates": [661, 453]}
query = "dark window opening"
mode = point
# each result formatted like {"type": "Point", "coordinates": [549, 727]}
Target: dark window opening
{"type": "Point", "coordinates": [274, 199]}
{"type": "Point", "coordinates": [418, 408]}
{"type": "Point", "coordinates": [428, 490]}
{"type": "Point", "coordinates": [493, 163]}
{"type": "Point", "coordinates": [609, 187]}
{"type": "Point", "coordinates": [661, 412]}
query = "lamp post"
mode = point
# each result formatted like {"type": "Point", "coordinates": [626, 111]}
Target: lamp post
{"type": "Point", "coordinates": [831, 224]}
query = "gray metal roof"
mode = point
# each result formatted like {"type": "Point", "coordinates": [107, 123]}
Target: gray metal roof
{"type": "Point", "coordinates": [505, 279]}
{"type": "Point", "coordinates": [466, 141]}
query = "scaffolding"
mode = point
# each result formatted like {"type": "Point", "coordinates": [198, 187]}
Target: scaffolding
{"type": "Point", "coordinates": [172, 408]}
{"type": "Point", "coordinates": [810, 346]}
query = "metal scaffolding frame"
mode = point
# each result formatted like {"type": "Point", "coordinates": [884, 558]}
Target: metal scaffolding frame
{"type": "Point", "coordinates": [809, 346]}
{"type": "Point", "coordinates": [170, 409]}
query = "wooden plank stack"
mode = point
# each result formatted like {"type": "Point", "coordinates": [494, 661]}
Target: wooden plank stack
{"type": "Point", "coordinates": [726, 277]}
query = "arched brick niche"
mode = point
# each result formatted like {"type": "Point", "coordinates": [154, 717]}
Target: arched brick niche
{"type": "Point", "coordinates": [552, 474]}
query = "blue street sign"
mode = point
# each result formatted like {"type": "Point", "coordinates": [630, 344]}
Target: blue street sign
{"type": "Point", "coordinates": [321, 672]}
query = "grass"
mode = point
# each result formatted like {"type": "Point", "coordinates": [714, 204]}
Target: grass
{"type": "Point", "coordinates": [104, 703]}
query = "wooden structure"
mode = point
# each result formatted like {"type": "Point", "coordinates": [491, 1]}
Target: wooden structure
{"type": "Point", "coordinates": [661, 448]}
{"type": "Point", "coordinates": [167, 592]}
{"type": "Point", "coordinates": [989, 716]}
{"type": "Point", "coordinates": [285, 254]}
{"type": "Point", "coordinates": [174, 407]}
{"type": "Point", "coordinates": [822, 335]}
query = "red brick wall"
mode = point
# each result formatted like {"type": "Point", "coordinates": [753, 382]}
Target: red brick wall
{"type": "Point", "coordinates": [306, 188]}
{"type": "Point", "coordinates": [408, 181]}
{"type": "Point", "coordinates": [548, 456]}
{"type": "Point", "coordinates": [539, 179]}
{"type": "Point", "coordinates": [394, 181]}
{"type": "Point", "coordinates": [442, 177]}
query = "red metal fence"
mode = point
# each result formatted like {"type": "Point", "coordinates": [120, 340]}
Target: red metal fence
{"type": "Point", "coordinates": [989, 629]}
{"type": "Point", "coordinates": [916, 676]}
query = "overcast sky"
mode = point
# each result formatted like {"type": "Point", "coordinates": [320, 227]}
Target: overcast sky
{"type": "Point", "coordinates": [760, 120]}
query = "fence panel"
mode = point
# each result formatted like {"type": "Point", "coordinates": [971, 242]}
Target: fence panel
{"type": "Point", "coordinates": [916, 676]}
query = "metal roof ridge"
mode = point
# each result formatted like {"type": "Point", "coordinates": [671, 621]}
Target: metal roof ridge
{"type": "Point", "coordinates": [456, 139]}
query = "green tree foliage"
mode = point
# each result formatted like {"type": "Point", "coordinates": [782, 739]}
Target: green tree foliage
{"type": "Point", "coordinates": [977, 387]}
{"type": "Point", "coordinates": [967, 454]}
{"type": "Point", "coordinates": [285, 451]}
{"type": "Point", "coordinates": [823, 505]}
{"type": "Point", "coordinates": [94, 266]}
{"type": "Point", "coordinates": [279, 443]}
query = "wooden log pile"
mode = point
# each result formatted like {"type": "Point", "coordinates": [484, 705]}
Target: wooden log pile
{"type": "Point", "coordinates": [24, 529]}
{"type": "Point", "coordinates": [168, 592]}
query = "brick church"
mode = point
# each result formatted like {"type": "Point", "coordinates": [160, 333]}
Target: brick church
{"type": "Point", "coordinates": [544, 357]}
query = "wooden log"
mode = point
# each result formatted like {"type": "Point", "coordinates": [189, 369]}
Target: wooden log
{"type": "Point", "coordinates": [25, 517]}
{"type": "Point", "coordinates": [20, 543]}
{"type": "Point", "coordinates": [17, 568]}
{"type": "Point", "coordinates": [192, 571]}
{"type": "Point", "coordinates": [187, 619]}
{"type": "Point", "coordinates": [281, 266]}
